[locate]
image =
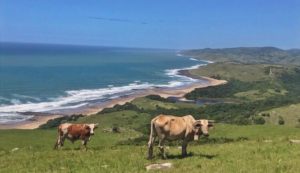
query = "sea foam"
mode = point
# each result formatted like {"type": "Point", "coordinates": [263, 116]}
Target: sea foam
{"type": "Point", "coordinates": [73, 99]}
{"type": "Point", "coordinates": [13, 117]}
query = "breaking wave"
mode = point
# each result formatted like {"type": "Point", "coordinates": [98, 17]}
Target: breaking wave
{"type": "Point", "coordinates": [73, 99]}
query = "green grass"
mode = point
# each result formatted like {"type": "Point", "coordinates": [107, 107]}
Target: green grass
{"type": "Point", "coordinates": [252, 154]}
{"type": "Point", "coordinates": [241, 72]}
{"type": "Point", "coordinates": [255, 87]}
{"type": "Point", "coordinates": [259, 95]}
{"type": "Point", "coordinates": [233, 71]}
{"type": "Point", "coordinates": [149, 104]}
{"type": "Point", "coordinates": [290, 115]}
{"type": "Point", "coordinates": [230, 148]}
{"type": "Point", "coordinates": [124, 119]}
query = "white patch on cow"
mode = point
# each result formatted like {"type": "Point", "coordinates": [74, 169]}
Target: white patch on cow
{"type": "Point", "coordinates": [196, 137]}
{"type": "Point", "coordinates": [64, 127]}
{"type": "Point", "coordinates": [92, 127]}
{"type": "Point", "coordinates": [65, 131]}
{"type": "Point", "coordinates": [204, 126]}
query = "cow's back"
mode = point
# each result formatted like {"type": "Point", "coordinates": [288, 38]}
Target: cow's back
{"type": "Point", "coordinates": [169, 126]}
{"type": "Point", "coordinates": [78, 130]}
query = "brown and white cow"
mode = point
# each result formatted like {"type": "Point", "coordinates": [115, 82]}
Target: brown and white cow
{"type": "Point", "coordinates": [168, 127]}
{"type": "Point", "coordinates": [74, 132]}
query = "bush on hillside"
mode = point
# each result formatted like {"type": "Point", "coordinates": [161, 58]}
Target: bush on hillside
{"type": "Point", "coordinates": [126, 106]}
{"type": "Point", "coordinates": [258, 120]}
{"type": "Point", "coordinates": [57, 121]}
{"type": "Point", "coordinates": [265, 114]}
{"type": "Point", "coordinates": [280, 120]}
{"type": "Point", "coordinates": [115, 128]}
{"type": "Point", "coordinates": [159, 98]}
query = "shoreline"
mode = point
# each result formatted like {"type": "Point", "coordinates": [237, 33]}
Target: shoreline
{"type": "Point", "coordinates": [179, 92]}
{"type": "Point", "coordinates": [163, 92]}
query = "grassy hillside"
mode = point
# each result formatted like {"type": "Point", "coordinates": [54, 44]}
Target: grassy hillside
{"type": "Point", "coordinates": [266, 55]}
{"type": "Point", "coordinates": [289, 114]}
{"type": "Point", "coordinates": [242, 72]}
{"type": "Point", "coordinates": [248, 81]}
{"type": "Point", "coordinates": [230, 148]}
{"type": "Point", "coordinates": [255, 94]}
{"type": "Point", "coordinates": [255, 87]}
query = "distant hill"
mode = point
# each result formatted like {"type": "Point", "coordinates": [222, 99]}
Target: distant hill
{"type": "Point", "coordinates": [270, 55]}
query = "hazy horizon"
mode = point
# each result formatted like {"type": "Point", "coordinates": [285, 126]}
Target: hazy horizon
{"type": "Point", "coordinates": [154, 48]}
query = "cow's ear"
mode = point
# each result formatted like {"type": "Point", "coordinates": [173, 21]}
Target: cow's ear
{"type": "Point", "coordinates": [87, 127]}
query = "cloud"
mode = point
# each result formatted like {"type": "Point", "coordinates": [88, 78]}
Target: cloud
{"type": "Point", "coordinates": [118, 20]}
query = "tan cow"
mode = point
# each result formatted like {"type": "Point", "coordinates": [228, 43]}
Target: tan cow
{"type": "Point", "coordinates": [168, 127]}
{"type": "Point", "coordinates": [74, 132]}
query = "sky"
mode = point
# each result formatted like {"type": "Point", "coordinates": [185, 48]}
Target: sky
{"type": "Point", "coordinates": [174, 24]}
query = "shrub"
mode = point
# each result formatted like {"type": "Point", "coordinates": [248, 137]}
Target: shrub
{"type": "Point", "coordinates": [115, 128]}
{"type": "Point", "coordinates": [265, 114]}
{"type": "Point", "coordinates": [280, 120]}
{"type": "Point", "coordinates": [159, 98]}
{"type": "Point", "coordinates": [126, 106]}
{"type": "Point", "coordinates": [259, 120]}
{"type": "Point", "coordinates": [57, 121]}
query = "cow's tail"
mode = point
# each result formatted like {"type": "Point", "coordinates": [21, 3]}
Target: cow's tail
{"type": "Point", "coordinates": [57, 143]}
{"type": "Point", "coordinates": [151, 138]}
{"type": "Point", "coordinates": [152, 131]}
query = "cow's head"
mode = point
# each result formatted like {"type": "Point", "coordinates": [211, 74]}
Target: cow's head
{"type": "Point", "coordinates": [202, 127]}
{"type": "Point", "coordinates": [92, 128]}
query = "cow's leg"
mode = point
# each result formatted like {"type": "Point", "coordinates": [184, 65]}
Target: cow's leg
{"type": "Point", "coordinates": [57, 144]}
{"type": "Point", "coordinates": [183, 148]}
{"type": "Point", "coordinates": [84, 142]}
{"type": "Point", "coordinates": [162, 148]}
{"type": "Point", "coordinates": [62, 140]}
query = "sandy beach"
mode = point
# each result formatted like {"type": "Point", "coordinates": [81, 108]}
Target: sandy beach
{"type": "Point", "coordinates": [163, 92]}
{"type": "Point", "coordinates": [178, 92]}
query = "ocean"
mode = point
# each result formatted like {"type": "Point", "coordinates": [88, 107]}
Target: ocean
{"type": "Point", "coordinates": [54, 78]}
